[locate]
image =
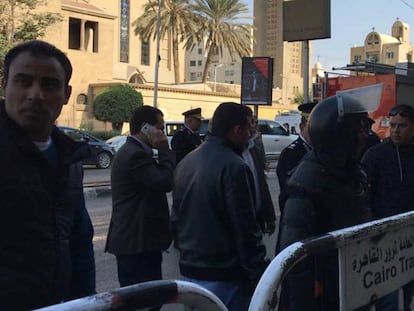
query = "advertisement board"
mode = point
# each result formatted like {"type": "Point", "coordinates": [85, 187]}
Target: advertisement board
{"type": "Point", "coordinates": [257, 80]}
{"type": "Point", "coordinates": [306, 20]}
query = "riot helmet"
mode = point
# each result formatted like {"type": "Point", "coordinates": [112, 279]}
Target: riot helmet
{"type": "Point", "coordinates": [339, 124]}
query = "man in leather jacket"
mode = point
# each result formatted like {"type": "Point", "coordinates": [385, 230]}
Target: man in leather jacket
{"type": "Point", "coordinates": [45, 231]}
{"type": "Point", "coordinates": [213, 215]}
{"type": "Point", "coordinates": [327, 191]}
{"type": "Point", "coordinates": [389, 166]}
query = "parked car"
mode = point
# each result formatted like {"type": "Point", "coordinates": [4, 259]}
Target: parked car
{"type": "Point", "coordinates": [102, 153]}
{"type": "Point", "coordinates": [274, 135]}
{"type": "Point", "coordinates": [292, 118]}
{"type": "Point", "coordinates": [275, 138]}
{"type": "Point", "coordinates": [116, 142]}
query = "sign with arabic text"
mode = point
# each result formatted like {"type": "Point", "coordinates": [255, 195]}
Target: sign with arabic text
{"type": "Point", "coordinates": [376, 266]}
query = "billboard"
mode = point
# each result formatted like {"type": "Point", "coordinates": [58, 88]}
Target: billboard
{"type": "Point", "coordinates": [306, 20]}
{"type": "Point", "coordinates": [257, 80]}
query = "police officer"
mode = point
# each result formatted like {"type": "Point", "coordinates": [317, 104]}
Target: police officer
{"type": "Point", "coordinates": [327, 191]}
{"type": "Point", "coordinates": [187, 138]}
{"type": "Point", "coordinates": [292, 154]}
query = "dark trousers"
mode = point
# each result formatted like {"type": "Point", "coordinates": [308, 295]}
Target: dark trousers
{"type": "Point", "coordinates": [138, 268]}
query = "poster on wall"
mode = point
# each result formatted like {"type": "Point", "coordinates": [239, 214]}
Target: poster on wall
{"type": "Point", "coordinates": [257, 80]}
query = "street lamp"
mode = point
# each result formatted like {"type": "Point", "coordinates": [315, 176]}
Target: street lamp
{"type": "Point", "coordinates": [215, 74]}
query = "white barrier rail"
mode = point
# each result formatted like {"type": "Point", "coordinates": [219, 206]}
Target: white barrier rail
{"type": "Point", "coordinates": [375, 258]}
{"type": "Point", "coordinates": [145, 295]}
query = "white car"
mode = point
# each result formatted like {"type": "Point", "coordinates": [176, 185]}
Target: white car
{"type": "Point", "coordinates": [275, 138]}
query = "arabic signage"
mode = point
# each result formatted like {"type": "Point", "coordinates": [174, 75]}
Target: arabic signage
{"type": "Point", "coordinates": [124, 32]}
{"type": "Point", "coordinates": [377, 266]}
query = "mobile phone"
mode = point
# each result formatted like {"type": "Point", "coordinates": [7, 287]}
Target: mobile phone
{"type": "Point", "coordinates": [146, 129]}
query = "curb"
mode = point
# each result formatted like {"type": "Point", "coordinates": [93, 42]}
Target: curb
{"type": "Point", "coordinates": [95, 192]}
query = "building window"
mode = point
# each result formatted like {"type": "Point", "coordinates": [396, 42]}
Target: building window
{"type": "Point", "coordinates": [74, 33]}
{"type": "Point", "coordinates": [200, 63]}
{"type": "Point", "coordinates": [145, 53]}
{"type": "Point", "coordinates": [200, 51]}
{"type": "Point", "coordinates": [192, 76]}
{"type": "Point", "coordinates": [357, 59]}
{"type": "Point", "coordinates": [192, 63]}
{"type": "Point", "coordinates": [91, 36]}
{"type": "Point", "coordinates": [90, 40]}
{"type": "Point", "coordinates": [373, 58]}
{"type": "Point", "coordinates": [389, 55]}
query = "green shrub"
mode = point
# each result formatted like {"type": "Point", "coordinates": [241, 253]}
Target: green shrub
{"type": "Point", "coordinates": [116, 105]}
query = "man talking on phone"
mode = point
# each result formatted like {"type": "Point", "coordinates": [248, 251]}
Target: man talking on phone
{"type": "Point", "coordinates": [139, 227]}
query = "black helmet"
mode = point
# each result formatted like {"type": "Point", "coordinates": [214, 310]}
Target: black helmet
{"type": "Point", "coordinates": [335, 124]}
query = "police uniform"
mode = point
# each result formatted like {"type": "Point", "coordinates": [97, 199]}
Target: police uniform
{"type": "Point", "coordinates": [185, 140]}
{"type": "Point", "coordinates": [292, 155]}
{"type": "Point", "coordinates": [290, 158]}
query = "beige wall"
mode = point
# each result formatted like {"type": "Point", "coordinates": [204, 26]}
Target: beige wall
{"type": "Point", "coordinates": [172, 102]}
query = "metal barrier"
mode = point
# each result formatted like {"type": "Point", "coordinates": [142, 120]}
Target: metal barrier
{"type": "Point", "coordinates": [145, 295]}
{"type": "Point", "coordinates": [375, 258]}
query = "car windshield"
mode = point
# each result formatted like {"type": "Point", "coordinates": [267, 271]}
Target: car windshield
{"type": "Point", "coordinates": [272, 128]}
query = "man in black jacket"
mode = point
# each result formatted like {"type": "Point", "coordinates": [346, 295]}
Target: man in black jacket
{"type": "Point", "coordinates": [390, 166]}
{"type": "Point", "coordinates": [213, 213]}
{"type": "Point", "coordinates": [187, 138]}
{"type": "Point", "coordinates": [45, 231]}
{"type": "Point", "coordinates": [139, 227]}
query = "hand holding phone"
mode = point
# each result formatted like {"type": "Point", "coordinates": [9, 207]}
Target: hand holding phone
{"type": "Point", "coordinates": [147, 129]}
{"type": "Point", "coordinates": [156, 137]}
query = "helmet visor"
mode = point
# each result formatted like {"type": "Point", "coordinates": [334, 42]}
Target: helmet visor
{"type": "Point", "coordinates": [367, 97]}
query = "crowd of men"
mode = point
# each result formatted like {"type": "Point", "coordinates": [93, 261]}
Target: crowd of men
{"type": "Point", "coordinates": [329, 179]}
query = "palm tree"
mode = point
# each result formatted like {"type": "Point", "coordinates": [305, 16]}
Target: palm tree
{"type": "Point", "coordinates": [221, 29]}
{"type": "Point", "coordinates": [177, 22]}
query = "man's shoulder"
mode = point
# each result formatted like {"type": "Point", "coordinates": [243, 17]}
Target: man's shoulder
{"type": "Point", "coordinates": [181, 133]}
{"type": "Point", "coordinates": [380, 149]}
{"type": "Point", "coordinates": [296, 147]}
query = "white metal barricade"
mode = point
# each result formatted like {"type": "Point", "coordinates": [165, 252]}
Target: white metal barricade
{"type": "Point", "coordinates": [375, 258]}
{"type": "Point", "coordinates": [146, 295]}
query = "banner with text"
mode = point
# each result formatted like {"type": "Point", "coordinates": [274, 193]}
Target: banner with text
{"type": "Point", "coordinates": [376, 266]}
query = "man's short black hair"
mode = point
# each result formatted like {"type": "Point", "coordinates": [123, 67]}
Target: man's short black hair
{"type": "Point", "coordinates": [228, 115]}
{"type": "Point", "coordinates": [41, 49]}
{"type": "Point", "coordinates": [141, 115]}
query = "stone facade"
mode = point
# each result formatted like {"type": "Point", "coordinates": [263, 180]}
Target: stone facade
{"type": "Point", "coordinates": [98, 37]}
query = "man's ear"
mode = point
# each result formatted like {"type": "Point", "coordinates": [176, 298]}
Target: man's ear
{"type": "Point", "coordinates": [68, 92]}
{"type": "Point", "coordinates": [237, 129]}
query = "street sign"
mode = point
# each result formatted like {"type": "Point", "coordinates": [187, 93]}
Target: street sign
{"type": "Point", "coordinates": [374, 267]}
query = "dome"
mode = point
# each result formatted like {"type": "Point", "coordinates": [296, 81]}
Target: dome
{"type": "Point", "coordinates": [318, 66]}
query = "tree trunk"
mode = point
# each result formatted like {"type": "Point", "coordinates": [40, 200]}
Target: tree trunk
{"type": "Point", "coordinates": [207, 65]}
{"type": "Point", "coordinates": [117, 126]}
{"type": "Point", "coordinates": [176, 60]}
